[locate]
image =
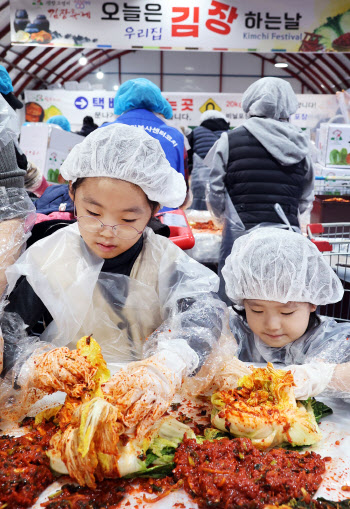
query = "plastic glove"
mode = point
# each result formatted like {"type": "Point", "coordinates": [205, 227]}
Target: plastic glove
{"type": "Point", "coordinates": [17, 216]}
{"type": "Point", "coordinates": [61, 369]}
{"type": "Point", "coordinates": [311, 379]}
{"type": "Point", "coordinates": [144, 390]}
{"type": "Point", "coordinates": [340, 381]}
{"type": "Point", "coordinates": [12, 238]}
{"type": "Point", "coordinates": [229, 373]}
{"type": "Point", "coordinates": [1, 352]}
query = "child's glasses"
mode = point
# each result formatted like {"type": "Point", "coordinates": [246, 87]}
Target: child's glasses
{"type": "Point", "coordinates": [94, 225]}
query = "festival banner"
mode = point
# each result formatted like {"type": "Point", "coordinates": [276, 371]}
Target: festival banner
{"type": "Point", "coordinates": [187, 108]}
{"type": "Point", "coordinates": [205, 25]}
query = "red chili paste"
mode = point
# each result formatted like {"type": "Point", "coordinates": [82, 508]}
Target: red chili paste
{"type": "Point", "coordinates": [108, 493]}
{"type": "Point", "coordinates": [24, 467]}
{"type": "Point", "coordinates": [229, 473]}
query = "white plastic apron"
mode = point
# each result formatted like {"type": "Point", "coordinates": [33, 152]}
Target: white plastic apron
{"type": "Point", "coordinates": [119, 311]}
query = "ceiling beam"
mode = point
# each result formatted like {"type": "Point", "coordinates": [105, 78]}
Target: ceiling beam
{"type": "Point", "coordinates": [4, 5]}
{"type": "Point", "coordinates": [108, 59]}
{"type": "Point", "coordinates": [32, 62]}
{"type": "Point", "coordinates": [301, 68]}
{"type": "Point", "coordinates": [41, 67]}
{"type": "Point", "coordinates": [339, 63]}
{"type": "Point", "coordinates": [34, 76]}
{"type": "Point", "coordinates": [289, 71]}
{"type": "Point", "coordinates": [72, 54]}
{"type": "Point", "coordinates": [312, 63]}
{"type": "Point", "coordinates": [75, 65]}
{"type": "Point", "coordinates": [333, 69]}
{"type": "Point", "coordinates": [19, 57]}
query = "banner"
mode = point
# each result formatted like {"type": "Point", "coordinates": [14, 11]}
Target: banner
{"type": "Point", "coordinates": [75, 105]}
{"type": "Point", "coordinates": [205, 25]}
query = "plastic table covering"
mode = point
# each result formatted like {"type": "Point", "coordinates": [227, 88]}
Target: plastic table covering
{"type": "Point", "coordinates": [335, 443]}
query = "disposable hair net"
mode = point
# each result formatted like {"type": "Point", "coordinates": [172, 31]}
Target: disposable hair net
{"type": "Point", "coordinates": [5, 81]}
{"type": "Point", "coordinates": [17, 217]}
{"type": "Point", "coordinates": [207, 115]}
{"type": "Point", "coordinates": [141, 93]}
{"type": "Point", "coordinates": [281, 266]}
{"type": "Point", "coordinates": [9, 126]}
{"type": "Point", "coordinates": [270, 98]}
{"type": "Point", "coordinates": [127, 153]}
{"type": "Point", "coordinates": [61, 121]}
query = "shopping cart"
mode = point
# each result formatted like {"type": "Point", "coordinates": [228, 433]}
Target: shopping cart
{"type": "Point", "coordinates": [333, 240]}
{"type": "Point", "coordinates": [332, 185]}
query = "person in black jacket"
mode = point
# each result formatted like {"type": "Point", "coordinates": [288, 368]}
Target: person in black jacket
{"type": "Point", "coordinates": [88, 126]}
{"type": "Point", "coordinates": [264, 161]}
{"type": "Point", "coordinates": [212, 124]}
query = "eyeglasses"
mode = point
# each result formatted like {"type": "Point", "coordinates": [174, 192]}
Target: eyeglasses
{"type": "Point", "coordinates": [94, 225]}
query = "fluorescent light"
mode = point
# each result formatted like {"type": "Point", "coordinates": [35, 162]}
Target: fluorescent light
{"type": "Point", "coordinates": [115, 87]}
{"type": "Point", "coordinates": [281, 64]}
{"type": "Point", "coordinates": [83, 60]}
{"type": "Point", "coordinates": [99, 75]}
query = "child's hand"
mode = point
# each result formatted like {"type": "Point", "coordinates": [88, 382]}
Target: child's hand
{"type": "Point", "coordinates": [144, 390]}
{"type": "Point", "coordinates": [64, 370]}
{"type": "Point", "coordinates": [341, 378]}
{"type": "Point", "coordinates": [311, 379]}
{"type": "Point", "coordinates": [229, 373]}
{"type": "Point", "coordinates": [11, 241]}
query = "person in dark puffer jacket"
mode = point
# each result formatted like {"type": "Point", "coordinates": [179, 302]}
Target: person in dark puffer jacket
{"type": "Point", "coordinates": [212, 124]}
{"type": "Point", "coordinates": [88, 126]}
{"type": "Point", "coordinates": [260, 163]}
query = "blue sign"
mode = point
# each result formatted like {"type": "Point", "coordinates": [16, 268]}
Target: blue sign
{"type": "Point", "coordinates": [81, 103]}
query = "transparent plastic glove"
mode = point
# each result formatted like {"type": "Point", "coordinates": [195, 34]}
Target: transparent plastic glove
{"type": "Point", "coordinates": [61, 369]}
{"type": "Point", "coordinates": [311, 379]}
{"type": "Point", "coordinates": [229, 373]}
{"type": "Point", "coordinates": [12, 239]}
{"type": "Point", "coordinates": [144, 390]}
{"type": "Point", "coordinates": [2, 305]}
{"type": "Point", "coordinates": [340, 381]}
{"type": "Point", "coordinates": [58, 369]}
{"type": "Point", "coordinates": [17, 217]}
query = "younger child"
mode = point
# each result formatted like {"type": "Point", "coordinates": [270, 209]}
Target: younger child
{"type": "Point", "coordinates": [276, 279]}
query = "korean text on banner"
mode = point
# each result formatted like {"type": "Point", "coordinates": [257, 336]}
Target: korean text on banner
{"type": "Point", "coordinates": [206, 25]}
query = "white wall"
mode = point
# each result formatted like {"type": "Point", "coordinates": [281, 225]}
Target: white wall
{"type": "Point", "coordinates": [191, 71]}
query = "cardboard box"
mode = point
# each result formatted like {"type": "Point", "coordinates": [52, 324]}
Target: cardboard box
{"type": "Point", "coordinates": [47, 146]}
{"type": "Point", "coordinates": [334, 144]}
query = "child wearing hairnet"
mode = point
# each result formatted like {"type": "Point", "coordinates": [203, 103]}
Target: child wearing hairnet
{"type": "Point", "coordinates": [150, 307]}
{"type": "Point", "coordinates": [276, 279]}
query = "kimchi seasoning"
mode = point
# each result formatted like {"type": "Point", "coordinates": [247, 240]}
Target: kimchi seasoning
{"type": "Point", "coordinates": [107, 493]}
{"type": "Point", "coordinates": [24, 467]}
{"type": "Point", "coordinates": [230, 473]}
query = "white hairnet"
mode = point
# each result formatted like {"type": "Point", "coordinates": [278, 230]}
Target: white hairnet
{"type": "Point", "coordinates": [211, 114]}
{"type": "Point", "coordinates": [270, 98]}
{"type": "Point", "coordinates": [281, 266]}
{"type": "Point", "coordinates": [127, 153]}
